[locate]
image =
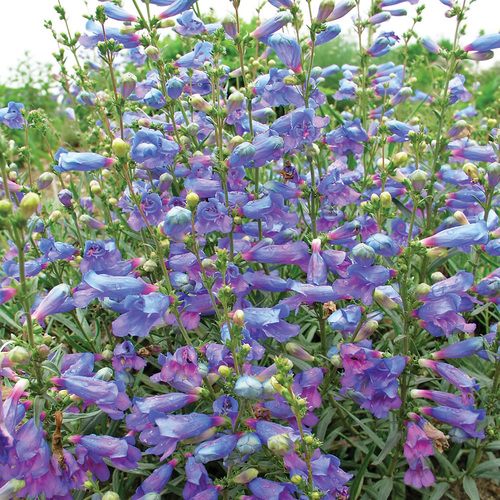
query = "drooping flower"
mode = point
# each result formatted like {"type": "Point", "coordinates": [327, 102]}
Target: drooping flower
{"type": "Point", "coordinates": [80, 162]}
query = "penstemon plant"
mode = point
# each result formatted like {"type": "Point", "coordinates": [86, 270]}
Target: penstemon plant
{"type": "Point", "coordinates": [244, 277]}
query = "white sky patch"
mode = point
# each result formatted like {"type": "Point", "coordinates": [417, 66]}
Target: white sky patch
{"type": "Point", "coordinates": [23, 24]}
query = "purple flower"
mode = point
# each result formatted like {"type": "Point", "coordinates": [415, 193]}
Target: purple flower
{"type": "Point", "coordinates": [383, 44]}
{"type": "Point", "coordinates": [104, 285]}
{"type": "Point", "coordinates": [418, 445]}
{"type": "Point", "coordinates": [202, 53]}
{"type": "Point", "coordinates": [461, 237]}
{"type": "Point", "coordinates": [189, 24]}
{"type": "Point", "coordinates": [174, 87]}
{"type": "Point", "coordinates": [180, 370]}
{"type": "Point", "coordinates": [80, 162]}
{"type": "Point", "coordinates": [129, 40]}
{"type": "Point", "coordinates": [348, 138]}
{"type": "Point", "coordinates": [327, 475]}
{"type": "Point", "coordinates": [152, 150]}
{"type": "Point", "coordinates": [143, 312]}
{"type": "Point", "coordinates": [454, 376]}
{"type": "Point", "coordinates": [154, 98]}
{"type": "Point", "coordinates": [177, 223]}
{"type": "Point", "coordinates": [109, 396]}
{"type": "Point", "coordinates": [287, 49]}
{"type": "Point", "coordinates": [272, 25]}
{"type": "Point", "coordinates": [138, 420]}
{"type": "Point", "coordinates": [103, 257]}
{"type": "Point", "coordinates": [383, 245]}
{"type": "Point", "coordinates": [56, 301]}
{"type": "Point", "coordinates": [115, 12]}
{"type": "Point", "coordinates": [176, 7]}
{"type": "Point", "coordinates": [457, 90]}
{"type": "Point", "coordinates": [11, 115]}
{"type": "Point", "coordinates": [347, 90]}
{"type": "Point", "coordinates": [346, 319]}
{"type": "Point", "coordinates": [372, 377]}
{"type": "Point", "coordinates": [156, 482]}
{"type": "Point", "coordinates": [462, 419]}
{"type": "Point", "coordinates": [216, 449]}
{"type": "Point", "coordinates": [429, 44]}
{"type": "Point", "coordinates": [212, 216]}
{"type": "Point", "coordinates": [361, 282]}
{"type": "Point", "coordinates": [299, 127]}
{"type": "Point", "coordinates": [484, 43]}
{"type": "Point", "coordinates": [198, 485]}
{"type": "Point", "coordinates": [124, 357]}
{"type": "Point", "coordinates": [331, 32]}
{"type": "Point", "coordinates": [120, 452]}
{"type": "Point", "coordinates": [152, 208]}
{"type": "Point", "coordinates": [272, 210]}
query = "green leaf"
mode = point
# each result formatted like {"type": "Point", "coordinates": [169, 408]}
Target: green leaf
{"type": "Point", "coordinates": [418, 221]}
{"type": "Point", "coordinates": [385, 489]}
{"type": "Point", "coordinates": [470, 488]}
{"type": "Point", "coordinates": [392, 441]}
{"type": "Point", "coordinates": [360, 473]}
{"type": "Point", "coordinates": [487, 467]}
{"type": "Point", "coordinates": [9, 321]}
{"type": "Point", "coordinates": [324, 422]}
{"type": "Point", "coordinates": [351, 162]}
{"type": "Point", "coordinates": [38, 408]}
{"type": "Point", "coordinates": [439, 490]}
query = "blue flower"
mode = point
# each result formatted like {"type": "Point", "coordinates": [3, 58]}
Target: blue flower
{"type": "Point", "coordinates": [11, 115]}
{"type": "Point", "coordinates": [80, 162]}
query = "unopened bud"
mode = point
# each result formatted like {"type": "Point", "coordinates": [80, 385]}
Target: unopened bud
{"type": "Point", "coordinates": [493, 174]}
{"type": "Point", "coordinates": [471, 170]}
{"type": "Point", "coordinates": [193, 129]}
{"type": "Point", "coordinates": [312, 150]}
{"type": "Point", "coordinates": [19, 355]}
{"type": "Point", "coordinates": [400, 158]}
{"type": "Point", "coordinates": [150, 266]}
{"type": "Point", "coordinates": [234, 101]}
{"type": "Point", "coordinates": [96, 189]}
{"type": "Point", "coordinates": [461, 218]}
{"type": "Point", "coordinates": [235, 141]}
{"type": "Point", "coordinates": [384, 300]}
{"type": "Point", "coordinates": [383, 163]}
{"type": "Point", "coordinates": [192, 200]}
{"type": "Point", "coordinates": [281, 444]}
{"type": "Point", "coordinates": [167, 23]}
{"type": "Point", "coordinates": [436, 252]}
{"type": "Point", "coordinates": [152, 53]}
{"type": "Point", "coordinates": [110, 495]}
{"type": "Point", "coordinates": [129, 81]}
{"type": "Point", "coordinates": [375, 198]}
{"type": "Point", "coordinates": [120, 147]}
{"type": "Point", "coordinates": [246, 476]}
{"type": "Point", "coordinates": [197, 101]}
{"type": "Point", "coordinates": [225, 371]}
{"type": "Point", "coordinates": [418, 178]}
{"type": "Point", "coordinates": [55, 216]}
{"type": "Point", "coordinates": [367, 330]}
{"type": "Point", "coordinates": [386, 199]}
{"type": "Point", "coordinates": [437, 276]}
{"type": "Point", "coordinates": [45, 180]}
{"type": "Point", "coordinates": [299, 352]}
{"type": "Point", "coordinates": [28, 205]}
{"type": "Point", "coordinates": [422, 290]}
{"type": "Point", "coordinates": [144, 122]}
{"type": "Point", "coordinates": [239, 318]}
{"type": "Point", "coordinates": [5, 207]}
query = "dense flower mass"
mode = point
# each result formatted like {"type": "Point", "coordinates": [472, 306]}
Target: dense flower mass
{"type": "Point", "coordinates": [242, 275]}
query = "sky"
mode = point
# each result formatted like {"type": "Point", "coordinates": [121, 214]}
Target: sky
{"type": "Point", "coordinates": [23, 24]}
